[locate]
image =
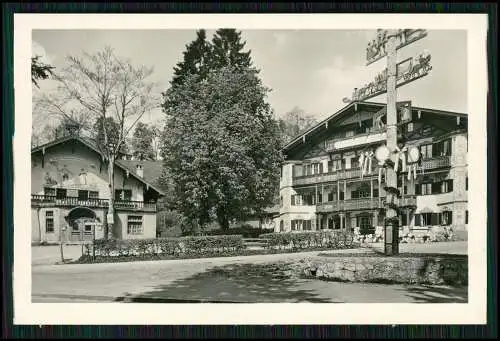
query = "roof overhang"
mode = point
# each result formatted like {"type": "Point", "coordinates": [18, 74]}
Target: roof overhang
{"type": "Point", "coordinates": [353, 107]}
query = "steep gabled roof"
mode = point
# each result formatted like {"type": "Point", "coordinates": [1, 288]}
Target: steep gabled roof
{"type": "Point", "coordinates": [151, 169]}
{"type": "Point", "coordinates": [352, 107]}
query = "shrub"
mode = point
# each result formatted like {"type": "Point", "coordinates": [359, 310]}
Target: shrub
{"type": "Point", "coordinates": [192, 246]}
{"type": "Point", "coordinates": [310, 239]}
{"type": "Point", "coordinates": [247, 231]}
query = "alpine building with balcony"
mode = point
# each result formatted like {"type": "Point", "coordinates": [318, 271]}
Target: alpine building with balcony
{"type": "Point", "coordinates": [324, 186]}
{"type": "Point", "coordinates": [70, 193]}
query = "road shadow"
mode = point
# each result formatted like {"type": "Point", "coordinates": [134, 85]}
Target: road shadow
{"type": "Point", "coordinates": [238, 283]}
{"type": "Point", "coordinates": [437, 294]}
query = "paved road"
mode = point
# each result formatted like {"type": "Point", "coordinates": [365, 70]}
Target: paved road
{"type": "Point", "coordinates": [237, 279]}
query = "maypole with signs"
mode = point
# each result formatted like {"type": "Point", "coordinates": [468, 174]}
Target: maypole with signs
{"type": "Point", "coordinates": [389, 156]}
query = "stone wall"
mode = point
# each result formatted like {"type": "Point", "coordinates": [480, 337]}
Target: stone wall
{"type": "Point", "coordinates": [427, 269]}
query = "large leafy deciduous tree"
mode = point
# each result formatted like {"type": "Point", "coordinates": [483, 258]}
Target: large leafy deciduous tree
{"type": "Point", "coordinates": [221, 146]}
{"type": "Point", "coordinates": [102, 86]}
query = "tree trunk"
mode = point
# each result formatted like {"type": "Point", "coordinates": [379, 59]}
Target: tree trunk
{"type": "Point", "coordinates": [39, 224]}
{"type": "Point", "coordinates": [223, 220]}
{"type": "Point", "coordinates": [111, 203]}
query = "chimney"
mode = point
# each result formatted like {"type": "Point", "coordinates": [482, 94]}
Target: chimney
{"type": "Point", "coordinates": [139, 171]}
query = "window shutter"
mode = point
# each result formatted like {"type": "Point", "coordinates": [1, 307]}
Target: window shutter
{"type": "Point", "coordinates": [417, 190]}
{"type": "Point", "coordinates": [434, 219]}
{"type": "Point", "coordinates": [450, 217]}
{"type": "Point", "coordinates": [436, 188]}
{"type": "Point", "coordinates": [418, 220]}
{"type": "Point", "coordinates": [450, 185]}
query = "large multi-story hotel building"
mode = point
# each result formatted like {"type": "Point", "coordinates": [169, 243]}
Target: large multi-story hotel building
{"type": "Point", "coordinates": [322, 185]}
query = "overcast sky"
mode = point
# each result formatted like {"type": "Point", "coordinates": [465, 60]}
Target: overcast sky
{"type": "Point", "coordinates": [311, 69]}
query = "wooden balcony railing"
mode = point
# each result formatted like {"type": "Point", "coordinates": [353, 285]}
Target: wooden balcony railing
{"type": "Point", "coordinates": [345, 174]}
{"type": "Point", "coordinates": [362, 204]}
{"type": "Point", "coordinates": [436, 162]}
{"type": "Point", "coordinates": [52, 200]}
{"type": "Point", "coordinates": [351, 205]}
{"type": "Point", "coordinates": [332, 176]}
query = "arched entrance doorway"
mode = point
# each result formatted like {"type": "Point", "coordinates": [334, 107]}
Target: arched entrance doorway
{"type": "Point", "coordinates": [80, 221]}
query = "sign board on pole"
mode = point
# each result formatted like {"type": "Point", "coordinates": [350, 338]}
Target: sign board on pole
{"type": "Point", "coordinates": [376, 48]}
{"type": "Point", "coordinates": [408, 70]}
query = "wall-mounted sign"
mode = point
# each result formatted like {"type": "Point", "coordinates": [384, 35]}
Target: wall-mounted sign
{"type": "Point", "coordinates": [407, 71]}
{"type": "Point", "coordinates": [376, 48]}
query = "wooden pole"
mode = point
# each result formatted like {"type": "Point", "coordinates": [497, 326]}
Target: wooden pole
{"type": "Point", "coordinates": [391, 240]}
{"type": "Point", "coordinates": [61, 243]}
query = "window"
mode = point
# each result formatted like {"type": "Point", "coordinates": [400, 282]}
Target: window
{"type": "Point", "coordinates": [94, 194]}
{"type": "Point", "coordinates": [404, 220]}
{"type": "Point", "coordinates": [317, 168]}
{"type": "Point", "coordinates": [49, 191]}
{"type": "Point", "coordinates": [308, 199]}
{"type": "Point", "coordinates": [61, 193]}
{"type": "Point", "coordinates": [426, 151]}
{"type": "Point", "coordinates": [426, 189]}
{"type": "Point", "coordinates": [466, 216]}
{"type": "Point", "coordinates": [83, 195]}
{"type": "Point", "coordinates": [88, 229]}
{"type": "Point", "coordinates": [299, 224]}
{"type": "Point", "coordinates": [307, 169]}
{"type": "Point", "coordinates": [365, 225]}
{"type": "Point", "coordinates": [446, 218]}
{"type": "Point", "coordinates": [319, 200]}
{"type": "Point", "coordinates": [443, 148]}
{"type": "Point", "coordinates": [134, 224]}
{"type": "Point", "coordinates": [409, 127]}
{"type": "Point", "coordinates": [49, 221]}
{"type": "Point", "coordinates": [447, 186]}
{"type": "Point", "coordinates": [341, 195]}
{"type": "Point", "coordinates": [282, 226]}
{"type": "Point", "coordinates": [307, 225]}
{"type": "Point", "coordinates": [349, 133]}
{"type": "Point", "coordinates": [426, 219]}
{"type": "Point", "coordinates": [334, 165]}
{"type": "Point", "coordinates": [123, 194]}
{"type": "Point", "coordinates": [331, 196]}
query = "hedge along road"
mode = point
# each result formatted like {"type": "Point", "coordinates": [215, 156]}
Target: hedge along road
{"type": "Point", "coordinates": [184, 279]}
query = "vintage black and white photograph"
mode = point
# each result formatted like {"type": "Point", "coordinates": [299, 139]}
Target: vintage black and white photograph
{"type": "Point", "coordinates": [229, 164]}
